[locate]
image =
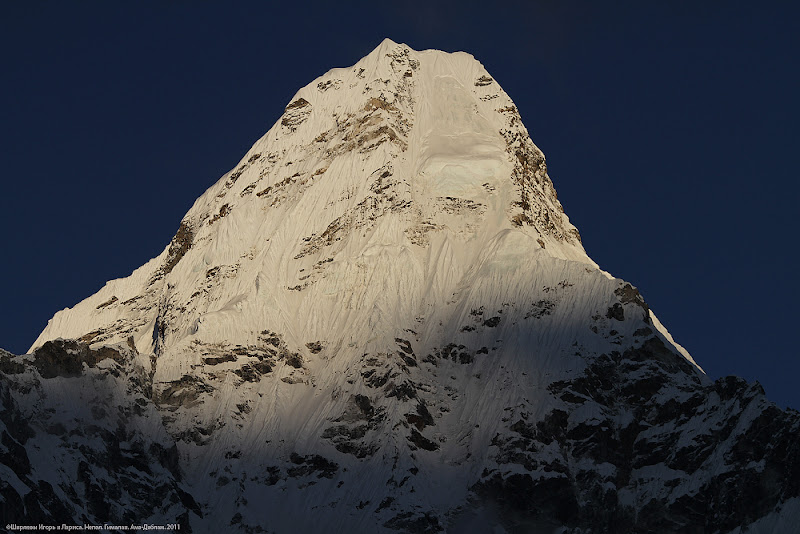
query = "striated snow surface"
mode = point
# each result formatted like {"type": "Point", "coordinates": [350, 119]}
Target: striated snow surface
{"type": "Point", "coordinates": [385, 184]}
{"type": "Point", "coordinates": [382, 320]}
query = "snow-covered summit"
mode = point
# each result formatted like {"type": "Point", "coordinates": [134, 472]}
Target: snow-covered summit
{"type": "Point", "coordinates": [412, 164]}
{"type": "Point", "coordinates": [382, 320]}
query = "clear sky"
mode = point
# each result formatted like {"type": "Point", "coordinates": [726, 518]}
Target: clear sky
{"type": "Point", "coordinates": [671, 135]}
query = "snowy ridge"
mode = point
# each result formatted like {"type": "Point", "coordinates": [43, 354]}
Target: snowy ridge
{"type": "Point", "coordinates": [382, 320]}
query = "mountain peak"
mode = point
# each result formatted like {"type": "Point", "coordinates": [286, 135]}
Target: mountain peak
{"type": "Point", "coordinates": [404, 151]}
{"type": "Point", "coordinates": [382, 320]}
{"type": "Point", "coordinates": [385, 47]}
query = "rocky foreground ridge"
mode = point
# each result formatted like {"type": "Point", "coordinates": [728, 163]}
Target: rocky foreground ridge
{"type": "Point", "coordinates": [381, 320]}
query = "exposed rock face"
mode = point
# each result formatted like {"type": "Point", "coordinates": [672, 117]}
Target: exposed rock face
{"type": "Point", "coordinates": [83, 444]}
{"type": "Point", "coordinates": [381, 320]}
{"type": "Point", "coordinates": [660, 453]}
{"type": "Point", "coordinates": [180, 245]}
{"type": "Point", "coordinates": [66, 358]}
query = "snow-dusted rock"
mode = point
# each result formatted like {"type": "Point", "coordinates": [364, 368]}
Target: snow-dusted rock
{"type": "Point", "coordinates": [382, 320]}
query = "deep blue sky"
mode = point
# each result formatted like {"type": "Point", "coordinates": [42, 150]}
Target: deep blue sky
{"type": "Point", "coordinates": [671, 134]}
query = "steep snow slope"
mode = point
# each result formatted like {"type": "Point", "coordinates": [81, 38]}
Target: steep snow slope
{"type": "Point", "coordinates": [383, 319]}
{"type": "Point", "coordinates": [421, 156]}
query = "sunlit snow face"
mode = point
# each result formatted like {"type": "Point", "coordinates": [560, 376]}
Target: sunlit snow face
{"type": "Point", "coordinates": [460, 153]}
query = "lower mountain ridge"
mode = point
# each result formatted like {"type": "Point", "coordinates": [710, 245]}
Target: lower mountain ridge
{"type": "Point", "coordinates": [464, 436]}
{"type": "Point", "coordinates": [382, 320]}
